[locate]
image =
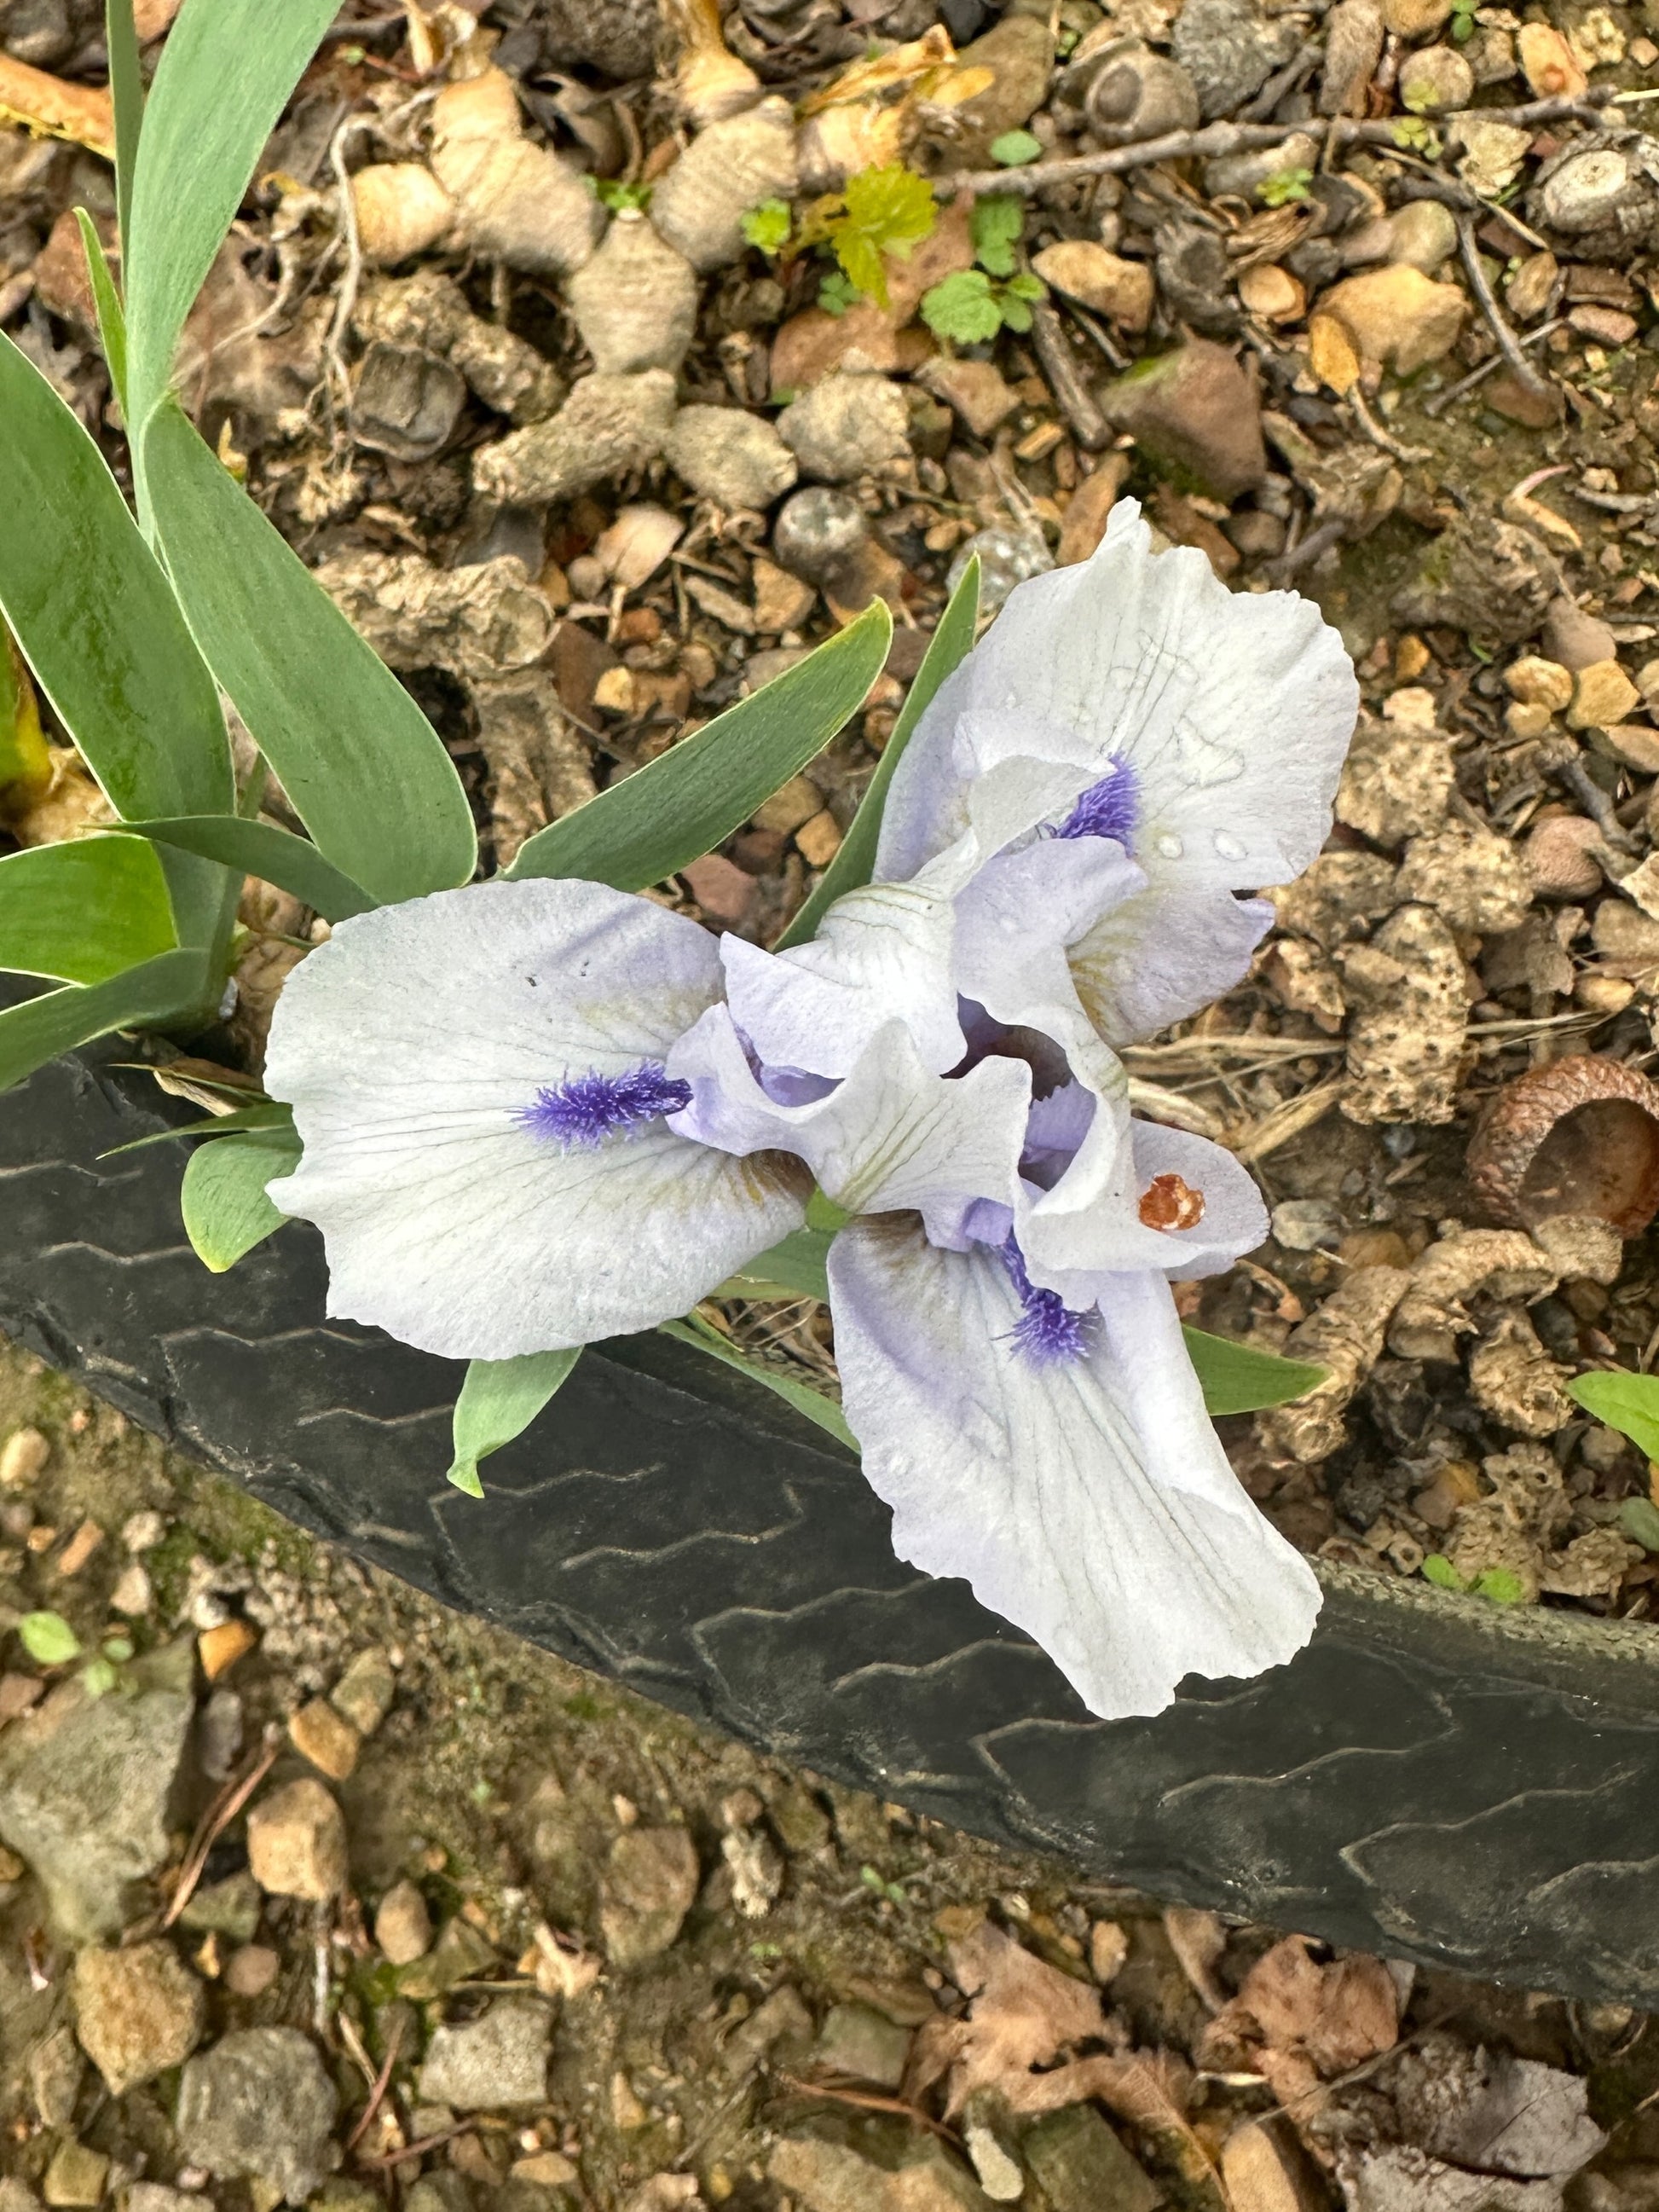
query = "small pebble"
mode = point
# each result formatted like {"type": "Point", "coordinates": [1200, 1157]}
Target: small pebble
{"type": "Point", "coordinates": [364, 1693]}
{"type": "Point", "coordinates": [132, 1594]}
{"type": "Point", "coordinates": [296, 1843]}
{"type": "Point", "coordinates": [220, 1648]}
{"type": "Point", "coordinates": [818, 532]}
{"type": "Point", "coordinates": [250, 1972]}
{"type": "Point", "coordinates": [326, 1738]}
{"type": "Point", "coordinates": [23, 1457]}
{"type": "Point", "coordinates": [402, 1926]}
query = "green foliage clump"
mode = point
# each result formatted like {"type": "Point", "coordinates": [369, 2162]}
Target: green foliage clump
{"type": "Point", "coordinates": [1499, 1585]}
{"type": "Point", "coordinates": [1015, 149]}
{"type": "Point", "coordinates": [887, 210]}
{"type": "Point", "coordinates": [880, 211]}
{"type": "Point", "coordinates": [970, 306]}
{"type": "Point", "coordinates": [1283, 186]}
{"type": "Point", "coordinates": [1413, 134]}
{"type": "Point", "coordinates": [768, 227]}
{"type": "Point", "coordinates": [996, 226]}
{"type": "Point", "coordinates": [617, 196]}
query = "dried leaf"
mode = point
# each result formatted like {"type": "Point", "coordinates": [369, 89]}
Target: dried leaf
{"type": "Point", "coordinates": [1022, 2014]}
{"type": "Point", "coordinates": [1298, 2021]}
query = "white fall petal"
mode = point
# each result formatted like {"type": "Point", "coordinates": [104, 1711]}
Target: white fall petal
{"type": "Point", "coordinates": [1088, 1502]}
{"type": "Point", "coordinates": [411, 1045]}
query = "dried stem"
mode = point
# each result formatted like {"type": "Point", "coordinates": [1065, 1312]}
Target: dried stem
{"type": "Point", "coordinates": [1509, 345]}
{"type": "Point", "coordinates": [1077, 402]}
{"type": "Point", "coordinates": [1215, 139]}
{"type": "Point", "coordinates": [1441, 400]}
{"type": "Point", "coordinates": [214, 1822]}
{"type": "Point", "coordinates": [81, 113]}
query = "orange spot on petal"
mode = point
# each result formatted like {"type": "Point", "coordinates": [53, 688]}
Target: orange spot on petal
{"type": "Point", "coordinates": [1169, 1203]}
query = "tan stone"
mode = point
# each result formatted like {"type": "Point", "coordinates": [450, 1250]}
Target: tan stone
{"type": "Point", "coordinates": [1634, 744]}
{"type": "Point", "coordinates": [1529, 290]}
{"type": "Point", "coordinates": [791, 804]}
{"type": "Point", "coordinates": [1603, 695]}
{"type": "Point", "coordinates": [1332, 355]}
{"type": "Point", "coordinates": [781, 601]}
{"type": "Point", "coordinates": [250, 1972]}
{"type": "Point", "coordinates": [1121, 291]}
{"type": "Point", "coordinates": [818, 841]}
{"type": "Point", "coordinates": [1549, 64]}
{"type": "Point", "coordinates": [75, 2177]}
{"type": "Point", "coordinates": [22, 1457]}
{"type": "Point", "coordinates": [1272, 293]}
{"type": "Point", "coordinates": [138, 2012]}
{"type": "Point", "coordinates": [326, 1738]}
{"type": "Point", "coordinates": [402, 1926]}
{"type": "Point", "coordinates": [1539, 682]}
{"type": "Point", "coordinates": [1415, 18]}
{"type": "Point", "coordinates": [1523, 720]}
{"type": "Point", "coordinates": [1083, 524]}
{"type": "Point", "coordinates": [296, 1843]}
{"type": "Point", "coordinates": [219, 1649]}
{"type": "Point", "coordinates": [1396, 317]}
{"type": "Point", "coordinates": [976, 390]}
{"type": "Point", "coordinates": [549, 2169]}
{"type": "Point", "coordinates": [364, 1693]}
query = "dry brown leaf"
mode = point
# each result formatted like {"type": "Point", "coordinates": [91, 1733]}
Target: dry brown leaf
{"type": "Point", "coordinates": [1022, 2014]}
{"type": "Point", "coordinates": [81, 113]}
{"type": "Point", "coordinates": [1198, 1939]}
{"type": "Point", "coordinates": [1299, 2022]}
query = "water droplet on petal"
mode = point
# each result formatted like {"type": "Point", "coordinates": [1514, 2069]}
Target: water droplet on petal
{"type": "Point", "coordinates": [1169, 847]}
{"type": "Point", "coordinates": [1228, 845]}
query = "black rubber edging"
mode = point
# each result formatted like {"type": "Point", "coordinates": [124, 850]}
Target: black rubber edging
{"type": "Point", "coordinates": [1435, 1778]}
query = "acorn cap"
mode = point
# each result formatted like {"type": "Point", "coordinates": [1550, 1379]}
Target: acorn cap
{"type": "Point", "coordinates": [1580, 1135]}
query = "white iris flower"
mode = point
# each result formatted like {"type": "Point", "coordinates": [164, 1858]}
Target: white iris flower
{"type": "Point", "coordinates": [535, 1114]}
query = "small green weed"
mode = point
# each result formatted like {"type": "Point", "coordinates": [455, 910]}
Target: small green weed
{"type": "Point", "coordinates": [1283, 186]}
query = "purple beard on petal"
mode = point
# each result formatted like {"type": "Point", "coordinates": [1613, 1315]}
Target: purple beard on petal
{"type": "Point", "coordinates": [579, 1113]}
{"type": "Point", "coordinates": [1110, 808]}
{"type": "Point", "coordinates": [1048, 1331]}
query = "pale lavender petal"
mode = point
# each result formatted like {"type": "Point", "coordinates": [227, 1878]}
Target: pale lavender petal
{"type": "Point", "coordinates": [883, 953]}
{"type": "Point", "coordinates": [1071, 1246]}
{"type": "Point", "coordinates": [475, 1077]}
{"type": "Point", "coordinates": [1014, 922]}
{"type": "Point", "coordinates": [1233, 710]}
{"type": "Point", "coordinates": [1162, 955]}
{"type": "Point", "coordinates": [893, 1135]}
{"type": "Point", "coordinates": [1089, 1502]}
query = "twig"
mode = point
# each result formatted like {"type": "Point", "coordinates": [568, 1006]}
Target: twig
{"type": "Point", "coordinates": [867, 2101]}
{"type": "Point", "coordinates": [214, 1822]}
{"type": "Point", "coordinates": [1296, 1114]}
{"type": "Point", "coordinates": [1562, 760]}
{"type": "Point", "coordinates": [377, 2090]}
{"type": "Point", "coordinates": [1092, 330]}
{"type": "Point", "coordinates": [1485, 300]}
{"type": "Point", "coordinates": [1076, 401]}
{"type": "Point", "coordinates": [1437, 406]}
{"type": "Point", "coordinates": [346, 300]}
{"type": "Point", "coordinates": [419, 2149]}
{"type": "Point", "coordinates": [1378, 436]}
{"type": "Point", "coordinates": [1215, 139]}
{"type": "Point", "coordinates": [1329, 533]}
{"type": "Point", "coordinates": [1301, 64]}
